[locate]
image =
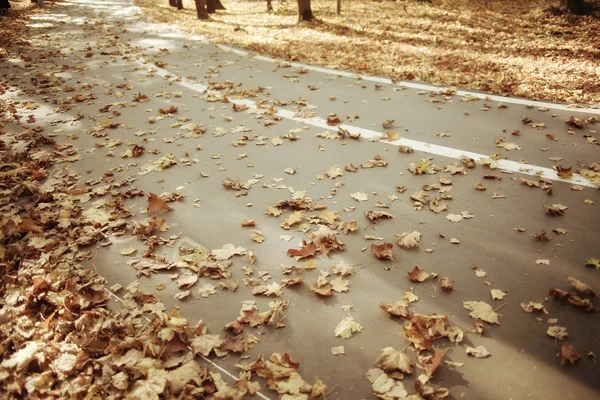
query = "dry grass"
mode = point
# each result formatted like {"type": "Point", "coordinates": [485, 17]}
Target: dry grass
{"type": "Point", "coordinates": [506, 47]}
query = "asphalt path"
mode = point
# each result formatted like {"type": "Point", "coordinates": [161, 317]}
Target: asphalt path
{"type": "Point", "coordinates": [108, 50]}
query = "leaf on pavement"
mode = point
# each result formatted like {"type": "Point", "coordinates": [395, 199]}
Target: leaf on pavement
{"type": "Point", "coordinates": [478, 352]}
{"type": "Point", "coordinates": [342, 269]}
{"type": "Point", "coordinates": [446, 284]}
{"type": "Point", "coordinates": [383, 251]}
{"type": "Point", "coordinates": [308, 250]}
{"type": "Point", "coordinates": [497, 294]}
{"type": "Point", "coordinates": [392, 360]}
{"type": "Point", "coordinates": [559, 332]}
{"type": "Point", "coordinates": [228, 251]}
{"type": "Point", "coordinates": [417, 275]}
{"type": "Point", "coordinates": [534, 306]}
{"type": "Point", "coordinates": [347, 327]}
{"type": "Point", "coordinates": [156, 204]}
{"type": "Point", "coordinates": [592, 262]}
{"type": "Point", "coordinates": [555, 210]}
{"type": "Point", "coordinates": [322, 287]}
{"type": "Point", "coordinates": [376, 215]}
{"type": "Point", "coordinates": [206, 290]}
{"type": "Point", "coordinates": [396, 309]}
{"type": "Point", "coordinates": [581, 287]}
{"type": "Point", "coordinates": [481, 310]}
{"type": "Point", "coordinates": [408, 240]}
{"type": "Point", "coordinates": [359, 196]}
{"type": "Point", "coordinates": [569, 354]}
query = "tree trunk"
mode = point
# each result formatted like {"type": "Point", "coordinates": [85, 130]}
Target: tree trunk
{"type": "Point", "coordinates": [220, 5]}
{"type": "Point", "coordinates": [180, 4]}
{"type": "Point", "coordinates": [201, 9]}
{"type": "Point", "coordinates": [269, 6]}
{"type": "Point", "coordinates": [574, 6]}
{"type": "Point", "coordinates": [173, 3]}
{"type": "Point", "coordinates": [304, 11]}
{"type": "Point", "coordinates": [211, 6]}
{"type": "Point", "coordinates": [338, 10]}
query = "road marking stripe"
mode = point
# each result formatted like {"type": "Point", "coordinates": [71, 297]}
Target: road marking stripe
{"type": "Point", "coordinates": [421, 86]}
{"type": "Point", "coordinates": [507, 165]}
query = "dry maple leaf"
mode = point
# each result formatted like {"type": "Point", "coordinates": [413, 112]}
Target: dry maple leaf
{"type": "Point", "coordinates": [170, 110]}
{"type": "Point", "coordinates": [376, 215]}
{"type": "Point", "coordinates": [481, 310]}
{"type": "Point", "coordinates": [392, 360]}
{"type": "Point", "coordinates": [342, 269]}
{"type": "Point", "coordinates": [446, 285]}
{"type": "Point", "coordinates": [559, 332]}
{"type": "Point", "coordinates": [478, 352]}
{"type": "Point", "coordinates": [384, 386]}
{"type": "Point", "coordinates": [592, 262]}
{"type": "Point", "coordinates": [569, 354]}
{"type": "Point", "coordinates": [383, 251]}
{"type": "Point", "coordinates": [563, 172]}
{"type": "Point", "coordinates": [417, 275]}
{"type": "Point", "coordinates": [397, 309]}
{"type": "Point", "coordinates": [347, 327]}
{"type": "Point", "coordinates": [308, 250]}
{"type": "Point", "coordinates": [339, 284]}
{"type": "Point", "coordinates": [408, 240]}
{"type": "Point", "coordinates": [359, 196]}
{"type": "Point", "coordinates": [582, 287]}
{"type": "Point", "coordinates": [322, 287]}
{"type": "Point", "coordinates": [422, 330]}
{"type": "Point", "coordinates": [388, 123]}
{"type": "Point", "coordinates": [349, 226]}
{"type": "Point", "coordinates": [534, 306]}
{"type": "Point", "coordinates": [555, 210]}
{"type": "Point", "coordinates": [156, 204]}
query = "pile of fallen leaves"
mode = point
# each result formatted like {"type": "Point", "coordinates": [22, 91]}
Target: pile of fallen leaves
{"type": "Point", "coordinates": [59, 338]}
{"type": "Point", "coordinates": [507, 47]}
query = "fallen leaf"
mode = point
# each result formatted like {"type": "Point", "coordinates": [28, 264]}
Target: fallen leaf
{"type": "Point", "coordinates": [555, 210]}
{"type": "Point", "coordinates": [257, 236]}
{"type": "Point", "coordinates": [397, 309]}
{"type": "Point", "coordinates": [497, 294]}
{"type": "Point", "coordinates": [417, 275]}
{"type": "Point", "coordinates": [592, 262]}
{"type": "Point", "coordinates": [308, 250]}
{"type": "Point", "coordinates": [127, 251]}
{"type": "Point", "coordinates": [322, 287]}
{"type": "Point", "coordinates": [569, 354]}
{"type": "Point", "coordinates": [446, 285]}
{"type": "Point", "coordinates": [228, 251]}
{"type": "Point", "coordinates": [542, 262]}
{"type": "Point", "coordinates": [156, 204]}
{"type": "Point", "coordinates": [383, 251]}
{"type": "Point", "coordinates": [359, 196]}
{"type": "Point", "coordinates": [581, 287]}
{"type": "Point", "coordinates": [408, 240]}
{"type": "Point", "coordinates": [338, 351]}
{"type": "Point", "coordinates": [376, 215]}
{"type": "Point", "coordinates": [481, 310]}
{"type": "Point", "coordinates": [392, 360]}
{"type": "Point", "coordinates": [559, 332]}
{"type": "Point", "coordinates": [342, 269]}
{"type": "Point", "coordinates": [534, 306]}
{"type": "Point", "coordinates": [347, 327]}
{"type": "Point", "coordinates": [206, 290]}
{"type": "Point", "coordinates": [454, 217]}
{"type": "Point", "coordinates": [478, 352]}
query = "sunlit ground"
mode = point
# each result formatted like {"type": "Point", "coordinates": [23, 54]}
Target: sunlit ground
{"type": "Point", "coordinates": [511, 47]}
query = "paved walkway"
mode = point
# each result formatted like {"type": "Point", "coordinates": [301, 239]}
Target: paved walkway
{"type": "Point", "coordinates": [264, 122]}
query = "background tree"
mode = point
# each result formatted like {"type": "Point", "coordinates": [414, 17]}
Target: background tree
{"type": "Point", "coordinates": [304, 11]}
{"type": "Point", "coordinates": [574, 6]}
{"type": "Point", "coordinates": [176, 3]}
{"type": "Point", "coordinates": [201, 9]}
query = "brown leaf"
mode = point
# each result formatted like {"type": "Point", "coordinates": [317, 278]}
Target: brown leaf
{"type": "Point", "coordinates": [563, 172]}
{"type": "Point", "coordinates": [581, 287]}
{"type": "Point", "coordinates": [417, 275]}
{"type": "Point", "coordinates": [408, 240]}
{"type": "Point", "coordinates": [446, 285]}
{"type": "Point", "coordinates": [322, 287]}
{"type": "Point", "coordinates": [569, 354]}
{"type": "Point", "coordinates": [308, 250]}
{"type": "Point", "coordinates": [376, 215]}
{"type": "Point", "coordinates": [156, 204]}
{"type": "Point", "coordinates": [555, 210]}
{"type": "Point", "coordinates": [383, 251]}
{"type": "Point", "coordinates": [392, 360]}
{"type": "Point", "coordinates": [397, 309]}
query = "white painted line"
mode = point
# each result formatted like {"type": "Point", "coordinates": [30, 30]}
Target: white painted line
{"type": "Point", "coordinates": [424, 86]}
{"type": "Point", "coordinates": [208, 360]}
{"type": "Point", "coordinates": [429, 148]}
